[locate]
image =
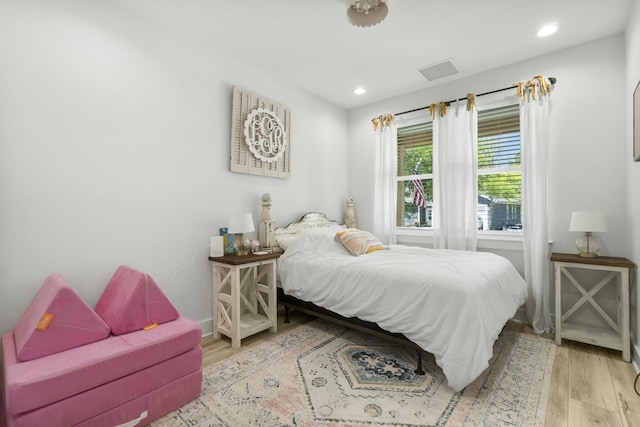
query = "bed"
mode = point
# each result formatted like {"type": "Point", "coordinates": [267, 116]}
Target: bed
{"type": "Point", "coordinates": [452, 304]}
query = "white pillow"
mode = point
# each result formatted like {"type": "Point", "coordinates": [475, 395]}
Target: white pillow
{"type": "Point", "coordinates": [316, 240]}
{"type": "Point", "coordinates": [285, 236]}
{"type": "Point", "coordinates": [284, 240]}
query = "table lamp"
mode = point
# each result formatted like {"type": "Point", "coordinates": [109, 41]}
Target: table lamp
{"type": "Point", "coordinates": [241, 224]}
{"type": "Point", "coordinates": [588, 222]}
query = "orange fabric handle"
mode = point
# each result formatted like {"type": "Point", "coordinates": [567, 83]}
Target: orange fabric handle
{"type": "Point", "coordinates": [44, 323]}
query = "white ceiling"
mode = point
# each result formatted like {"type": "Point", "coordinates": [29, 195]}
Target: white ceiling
{"type": "Point", "coordinates": [311, 45]}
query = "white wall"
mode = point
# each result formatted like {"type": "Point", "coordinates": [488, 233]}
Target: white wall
{"type": "Point", "coordinates": [114, 136]}
{"type": "Point", "coordinates": [633, 173]}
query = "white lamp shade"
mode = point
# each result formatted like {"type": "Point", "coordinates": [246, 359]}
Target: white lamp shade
{"type": "Point", "coordinates": [241, 223]}
{"type": "Point", "coordinates": [587, 221]}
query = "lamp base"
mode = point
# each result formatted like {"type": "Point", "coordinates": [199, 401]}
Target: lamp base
{"type": "Point", "coordinates": [587, 254]}
{"type": "Point", "coordinates": [242, 248]}
{"type": "Point", "coordinates": [588, 246]}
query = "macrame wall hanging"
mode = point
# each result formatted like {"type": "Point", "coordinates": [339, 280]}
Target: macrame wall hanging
{"type": "Point", "coordinates": [260, 135]}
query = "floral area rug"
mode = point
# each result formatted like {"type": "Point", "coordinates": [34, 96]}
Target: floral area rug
{"type": "Point", "coordinates": [321, 374]}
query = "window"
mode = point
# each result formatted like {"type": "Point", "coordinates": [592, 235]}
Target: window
{"type": "Point", "coordinates": [415, 175]}
{"type": "Point", "coordinates": [499, 172]}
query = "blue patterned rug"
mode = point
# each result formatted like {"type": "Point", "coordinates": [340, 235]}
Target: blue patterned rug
{"type": "Point", "coordinates": [320, 374]}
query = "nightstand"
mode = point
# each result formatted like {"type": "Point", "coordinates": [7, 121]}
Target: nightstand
{"type": "Point", "coordinates": [244, 295]}
{"type": "Point", "coordinates": [615, 334]}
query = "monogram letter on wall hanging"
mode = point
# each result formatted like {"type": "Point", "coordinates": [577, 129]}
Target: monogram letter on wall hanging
{"type": "Point", "coordinates": [260, 135]}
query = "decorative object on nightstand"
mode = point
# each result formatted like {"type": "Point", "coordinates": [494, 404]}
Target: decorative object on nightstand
{"type": "Point", "coordinates": [228, 241]}
{"type": "Point", "coordinates": [242, 224]}
{"type": "Point", "coordinates": [254, 246]}
{"type": "Point", "coordinates": [588, 222]}
{"type": "Point", "coordinates": [216, 246]}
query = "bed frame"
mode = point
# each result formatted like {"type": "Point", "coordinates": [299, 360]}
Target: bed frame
{"type": "Point", "coordinates": [267, 236]}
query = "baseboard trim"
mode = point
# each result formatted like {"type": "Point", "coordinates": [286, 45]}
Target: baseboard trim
{"type": "Point", "coordinates": [207, 327]}
{"type": "Point", "coordinates": [521, 314]}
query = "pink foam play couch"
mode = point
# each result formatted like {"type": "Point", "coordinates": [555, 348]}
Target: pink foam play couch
{"type": "Point", "coordinates": [128, 362]}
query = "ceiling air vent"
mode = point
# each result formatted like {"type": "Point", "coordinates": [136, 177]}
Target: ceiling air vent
{"type": "Point", "coordinates": [439, 70]}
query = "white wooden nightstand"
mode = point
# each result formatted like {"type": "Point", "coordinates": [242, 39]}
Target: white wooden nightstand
{"type": "Point", "coordinates": [244, 295]}
{"type": "Point", "coordinates": [616, 335]}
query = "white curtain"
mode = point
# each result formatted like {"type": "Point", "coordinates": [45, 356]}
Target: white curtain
{"type": "Point", "coordinates": [534, 137]}
{"type": "Point", "coordinates": [455, 178]}
{"type": "Point", "coordinates": [385, 185]}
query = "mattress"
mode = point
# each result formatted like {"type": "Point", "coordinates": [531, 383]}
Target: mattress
{"type": "Point", "coordinates": [40, 382]}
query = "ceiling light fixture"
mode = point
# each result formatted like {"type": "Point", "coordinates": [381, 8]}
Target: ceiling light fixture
{"type": "Point", "coordinates": [367, 13]}
{"type": "Point", "coordinates": [359, 91]}
{"type": "Point", "coordinates": [547, 30]}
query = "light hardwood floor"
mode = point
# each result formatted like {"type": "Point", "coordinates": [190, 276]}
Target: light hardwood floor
{"type": "Point", "coordinates": [590, 386]}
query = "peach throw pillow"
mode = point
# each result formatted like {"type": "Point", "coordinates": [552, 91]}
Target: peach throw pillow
{"type": "Point", "coordinates": [358, 242]}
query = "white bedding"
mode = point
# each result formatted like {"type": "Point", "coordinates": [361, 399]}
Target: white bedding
{"type": "Point", "coordinates": [453, 304]}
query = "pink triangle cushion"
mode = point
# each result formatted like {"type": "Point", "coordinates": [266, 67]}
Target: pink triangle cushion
{"type": "Point", "coordinates": [57, 319]}
{"type": "Point", "coordinates": [133, 301]}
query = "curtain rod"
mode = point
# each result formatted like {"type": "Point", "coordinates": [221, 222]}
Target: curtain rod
{"type": "Point", "coordinates": [551, 79]}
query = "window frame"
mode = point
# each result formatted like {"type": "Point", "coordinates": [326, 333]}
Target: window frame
{"type": "Point", "coordinates": [415, 120]}
{"type": "Point", "coordinates": [487, 239]}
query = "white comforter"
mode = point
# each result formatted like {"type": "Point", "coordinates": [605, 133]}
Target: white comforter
{"type": "Point", "coordinates": [453, 304]}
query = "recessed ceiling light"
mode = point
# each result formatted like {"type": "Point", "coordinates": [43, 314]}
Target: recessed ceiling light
{"type": "Point", "coordinates": [359, 91]}
{"type": "Point", "coordinates": [547, 30]}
